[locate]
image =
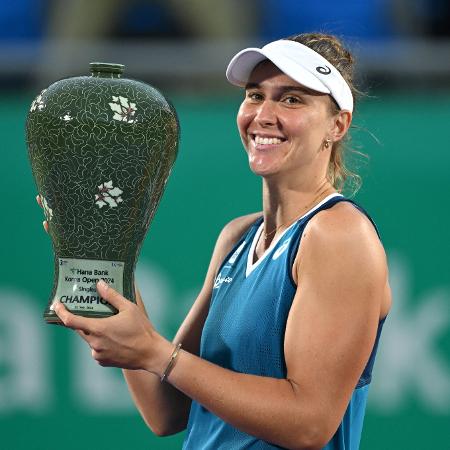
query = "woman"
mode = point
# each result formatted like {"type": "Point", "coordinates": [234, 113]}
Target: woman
{"type": "Point", "coordinates": [287, 323]}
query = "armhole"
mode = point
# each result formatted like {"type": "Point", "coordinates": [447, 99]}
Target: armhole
{"type": "Point", "coordinates": [293, 253]}
{"type": "Point", "coordinates": [366, 376]}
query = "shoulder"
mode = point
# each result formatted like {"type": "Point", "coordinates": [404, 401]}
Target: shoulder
{"type": "Point", "coordinates": [230, 235]}
{"type": "Point", "coordinates": [342, 223]}
{"type": "Point", "coordinates": [235, 229]}
{"type": "Point", "coordinates": [342, 235]}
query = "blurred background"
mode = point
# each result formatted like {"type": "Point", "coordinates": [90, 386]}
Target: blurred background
{"type": "Point", "coordinates": [52, 395]}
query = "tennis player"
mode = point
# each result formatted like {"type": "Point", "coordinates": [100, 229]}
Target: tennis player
{"type": "Point", "coordinates": [278, 348]}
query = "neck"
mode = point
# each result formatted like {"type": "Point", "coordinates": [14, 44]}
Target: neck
{"type": "Point", "coordinates": [284, 203]}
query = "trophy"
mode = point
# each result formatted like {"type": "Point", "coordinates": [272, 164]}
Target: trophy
{"type": "Point", "coordinates": [101, 148]}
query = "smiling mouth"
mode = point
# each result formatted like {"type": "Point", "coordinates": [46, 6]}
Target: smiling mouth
{"type": "Point", "coordinates": [260, 140]}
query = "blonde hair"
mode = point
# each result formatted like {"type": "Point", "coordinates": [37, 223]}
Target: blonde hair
{"type": "Point", "coordinates": [332, 49]}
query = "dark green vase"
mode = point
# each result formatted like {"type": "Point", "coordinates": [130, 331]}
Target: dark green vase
{"type": "Point", "coordinates": [101, 149]}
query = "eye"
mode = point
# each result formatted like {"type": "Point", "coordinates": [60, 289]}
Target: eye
{"type": "Point", "coordinates": [291, 100]}
{"type": "Point", "coordinates": [254, 96]}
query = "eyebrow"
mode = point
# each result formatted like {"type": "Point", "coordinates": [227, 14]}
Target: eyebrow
{"type": "Point", "coordinates": [284, 88]}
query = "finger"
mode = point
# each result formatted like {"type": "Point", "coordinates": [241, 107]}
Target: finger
{"type": "Point", "coordinates": [71, 320]}
{"type": "Point", "coordinates": [39, 202]}
{"type": "Point", "coordinates": [111, 295]}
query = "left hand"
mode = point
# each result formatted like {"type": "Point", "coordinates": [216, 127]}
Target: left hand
{"type": "Point", "coordinates": [125, 340]}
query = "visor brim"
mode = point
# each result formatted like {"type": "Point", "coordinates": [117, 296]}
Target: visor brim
{"type": "Point", "coordinates": [241, 66]}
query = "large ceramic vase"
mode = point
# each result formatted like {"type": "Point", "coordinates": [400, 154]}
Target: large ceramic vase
{"type": "Point", "coordinates": [101, 149]}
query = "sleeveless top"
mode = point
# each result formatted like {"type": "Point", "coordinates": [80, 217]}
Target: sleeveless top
{"type": "Point", "coordinates": [244, 332]}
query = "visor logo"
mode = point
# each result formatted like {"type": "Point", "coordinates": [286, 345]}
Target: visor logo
{"type": "Point", "coordinates": [323, 70]}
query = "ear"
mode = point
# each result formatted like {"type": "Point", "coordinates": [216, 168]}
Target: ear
{"type": "Point", "coordinates": [341, 124]}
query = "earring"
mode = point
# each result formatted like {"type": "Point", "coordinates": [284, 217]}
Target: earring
{"type": "Point", "coordinates": [327, 143]}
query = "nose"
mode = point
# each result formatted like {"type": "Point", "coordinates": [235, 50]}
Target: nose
{"type": "Point", "coordinates": [266, 113]}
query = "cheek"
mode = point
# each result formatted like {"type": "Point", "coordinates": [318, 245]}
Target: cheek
{"type": "Point", "coordinates": [307, 128]}
{"type": "Point", "coordinates": [243, 120]}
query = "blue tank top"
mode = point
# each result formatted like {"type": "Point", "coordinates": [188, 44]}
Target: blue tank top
{"type": "Point", "coordinates": [244, 332]}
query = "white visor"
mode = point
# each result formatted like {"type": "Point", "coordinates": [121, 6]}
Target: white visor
{"type": "Point", "coordinates": [297, 61]}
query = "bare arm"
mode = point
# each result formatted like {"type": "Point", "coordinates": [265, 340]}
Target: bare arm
{"type": "Point", "coordinates": [163, 407]}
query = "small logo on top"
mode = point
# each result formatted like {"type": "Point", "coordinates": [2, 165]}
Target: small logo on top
{"type": "Point", "coordinates": [219, 280]}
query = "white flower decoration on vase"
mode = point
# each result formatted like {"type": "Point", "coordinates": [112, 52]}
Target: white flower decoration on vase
{"type": "Point", "coordinates": [37, 102]}
{"type": "Point", "coordinates": [108, 195]}
{"type": "Point", "coordinates": [124, 111]}
{"type": "Point", "coordinates": [67, 117]}
{"type": "Point", "coordinates": [47, 210]}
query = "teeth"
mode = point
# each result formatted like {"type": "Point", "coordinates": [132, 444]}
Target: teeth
{"type": "Point", "coordinates": [267, 141]}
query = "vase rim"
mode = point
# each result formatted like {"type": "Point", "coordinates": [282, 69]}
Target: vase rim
{"type": "Point", "coordinates": [102, 67]}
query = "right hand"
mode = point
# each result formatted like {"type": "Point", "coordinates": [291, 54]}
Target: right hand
{"type": "Point", "coordinates": [44, 223]}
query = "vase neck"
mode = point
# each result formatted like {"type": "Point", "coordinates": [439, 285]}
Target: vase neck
{"type": "Point", "coordinates": [106, 70]}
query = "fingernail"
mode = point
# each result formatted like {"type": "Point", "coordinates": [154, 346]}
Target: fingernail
{"type": "Point", "coordinates": [102, 284]}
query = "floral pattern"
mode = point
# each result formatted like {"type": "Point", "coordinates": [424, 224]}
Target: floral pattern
{"type": "Point", "coordinates": [47, 210]}
{"type": "Point", "coordinates": [108, 195]}
{"type": "Point", "coordinates": [37, 102]}
{"type": "Point", "coordinates": [124, 111]}
{"type": "Point", "coordinates": [67, 117]}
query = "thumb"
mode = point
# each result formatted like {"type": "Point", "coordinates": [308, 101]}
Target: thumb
{"type": "Point", "coordinates": [111, 295]}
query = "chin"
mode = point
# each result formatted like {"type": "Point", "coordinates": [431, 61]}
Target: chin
{"type": "Point", "coordinates": [263, 171]}
{"type": "Point", "coordinates": [264, 166]}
